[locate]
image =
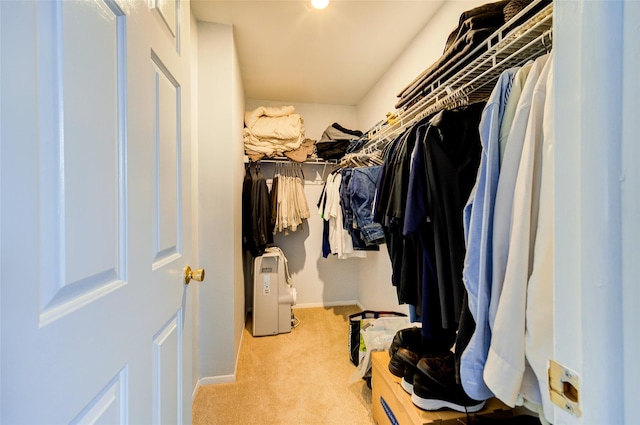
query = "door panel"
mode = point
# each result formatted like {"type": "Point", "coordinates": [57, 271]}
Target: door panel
{"type": "Point", "coordinates": [95, 213]}
{"type": "Point", "coordinates": [166, 10]}
{"type": "Point", "coordinates": [167, 378]}
{"type": "Point", "coordinates": [167, 167]}
{"type": "Point", "coordinates": [110, 406]}
{"type": "Point", "coordinates": [81, 151]}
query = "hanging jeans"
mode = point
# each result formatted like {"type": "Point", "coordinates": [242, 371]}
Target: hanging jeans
{"type": "Point", "coordinates": [362, 190]}
{"type": "Point", "coordinates": [347, 213]}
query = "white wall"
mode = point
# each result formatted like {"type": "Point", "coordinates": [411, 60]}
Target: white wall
{"type": "Point", "coordinates": [220, 162]}
{"type": "Point", "coordinates": [319, 281]}
{"type": "Point", "coordinates": [423, 51]}
{"type": "Point", "coordinates": [237, 176]}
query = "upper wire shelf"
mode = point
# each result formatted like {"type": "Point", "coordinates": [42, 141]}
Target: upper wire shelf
{"type": "Point", "coordinates": [284, 159]}
{"type": "Point", "coordinates": [508, 47]}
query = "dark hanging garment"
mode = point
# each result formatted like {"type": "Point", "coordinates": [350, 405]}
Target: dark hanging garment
{"type": "Point", "coordinates": [256, 211]}
{"type": "Point", "coordinates": [452, 154]}
{"type": "Point", "coordinates": [322, 202]}
{"type": "Point", "coordinates": [389, 211]}
{"type": "Point", "coordinates": [274, 201]}
{"type": "Point", "coordinates": [418, 224]}
{"type": "Point", "coordinates": [247, 224]}
{"type": "Point", "coordinates": [262, 212]}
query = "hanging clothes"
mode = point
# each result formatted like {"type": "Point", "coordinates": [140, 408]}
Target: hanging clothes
{"type": "Point", "coordinates": [288, 198]}
{"type": "Point", "coordinates": [474, 188]}
{"type": "Point", "coordinates": [361, 191]}
{"type": "Point", "coordinates": [418, 222]}
{"type": "Point", "coordinates": [357, 190]}
{"type": "Point", "coordinates": [539, 314]}
{"type": "Point", "coordinates": [478, 225]}
{"type": "Point", "coordinates": [426, 180]}
{"type": "Point", "coordinates": [509, 372]}
{"type": "Point", "coordinates": [452, 153]}
{"type": "Point", "coordinates": [506, 185]}
{"type": "Point", "coordinates": [389, 211]}
{"type": "Point", "coordinates": [351, 188]}
{"type": "Point", "coordinates": [256, 211]}
{"type": "Point", "coordinates": [336, 239]}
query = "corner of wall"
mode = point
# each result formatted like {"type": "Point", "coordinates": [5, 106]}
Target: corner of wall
{"type": "Point", "coordinates": [194, 182]}
{"type": "Point", "coordinates": [220, 156]}
{"type": "Point", "coordinates": [238, 175]}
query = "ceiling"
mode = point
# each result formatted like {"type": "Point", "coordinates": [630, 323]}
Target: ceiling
{"type": "Point", "coordinates": [290, 52]}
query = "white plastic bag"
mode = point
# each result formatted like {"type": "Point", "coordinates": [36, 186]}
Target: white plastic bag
{"type": "Point", "coordinates": [377, 335]}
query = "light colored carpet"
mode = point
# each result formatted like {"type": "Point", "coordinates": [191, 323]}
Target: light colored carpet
{"type": "Point", "coordinates": [299, 378]}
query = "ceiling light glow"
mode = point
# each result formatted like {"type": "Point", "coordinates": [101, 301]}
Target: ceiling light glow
{"type": "Point", "coordinates": [319, 4]}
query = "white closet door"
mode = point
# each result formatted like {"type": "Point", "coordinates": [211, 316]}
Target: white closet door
{"type": "Point", "coordinates": [95, 212]}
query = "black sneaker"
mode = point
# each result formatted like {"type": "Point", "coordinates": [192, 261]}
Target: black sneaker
{"type": "Point", "coordinates": [410, 360]}
{"type": "Point", "coordinates": [440, 369]}
{"type": "Point", "coordinates": [429, 395]}
{"type": "Point", "coordinates": [407, 379]}
{"type": "Point", "coordinates": [396, 366]}
{"type": "Point", "coordinates": [409, 338]}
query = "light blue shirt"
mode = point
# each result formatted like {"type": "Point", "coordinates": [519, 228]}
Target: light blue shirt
{"type": "Point", "coordinates": [503, 206]}
{"type": "Point", "coordinates": [478, 228]}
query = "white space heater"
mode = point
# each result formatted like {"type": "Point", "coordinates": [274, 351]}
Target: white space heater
{"type": "Point", "coordinates": [273, 294]}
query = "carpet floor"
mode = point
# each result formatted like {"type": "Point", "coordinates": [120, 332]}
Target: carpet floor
{"type": "Point", "coordinates": [298, 378]}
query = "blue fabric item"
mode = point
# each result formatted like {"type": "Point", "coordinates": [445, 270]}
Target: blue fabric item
{"type": "Point", "coordinates": [345, 204]}
{"type": "Point", "coordinates": [478, 232]}
{"type": "Point", "coordinates": [417, 221]}
{"type": "Point", "coordinates": [362, 189]}
{"type": "Point", "coordinates": [417, 212]}
{"type": "Point", "coordinates": [347, 214]}
{"type": "Point", "coordinates": [326, 248]}
{"type": "Point", "coordinates": [413, 316]}
{"type": "Point", "coordinates": [357, 144]}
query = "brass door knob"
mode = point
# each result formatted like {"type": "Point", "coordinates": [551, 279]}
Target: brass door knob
{"type": "Point", "coordinates": [193, 274]}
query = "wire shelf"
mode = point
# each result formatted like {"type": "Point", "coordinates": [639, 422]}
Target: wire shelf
{"type": "Point", "coordinates": [510, 46]}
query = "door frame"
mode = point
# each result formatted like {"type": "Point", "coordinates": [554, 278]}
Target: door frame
{"type": "Point", "coordinates": [597, 208]}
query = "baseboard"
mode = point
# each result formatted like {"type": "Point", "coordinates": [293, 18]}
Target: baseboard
{"type": "Point", "coordinates": [195, 391]}
{"type": "Point", "coordinates": [244, 325]}
{"type": "Point", "coordinates": [224, 379]}
{"type": "Point", "coordinates": [326, 304]}
{"type": "Point", "coordinates": [212, 380]}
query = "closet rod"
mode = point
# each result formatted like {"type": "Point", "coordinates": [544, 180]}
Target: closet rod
{"type": "Point", "coordinates": [508, 47]}
{"type": "Point", "coordinates": [284, 159]}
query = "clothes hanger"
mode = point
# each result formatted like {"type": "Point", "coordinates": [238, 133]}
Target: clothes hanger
{"type": "Point", "coordinates": [547, 47]}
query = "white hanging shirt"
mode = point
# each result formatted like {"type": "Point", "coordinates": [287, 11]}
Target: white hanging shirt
{"type": "Point", "coordinates": [505, 368]}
